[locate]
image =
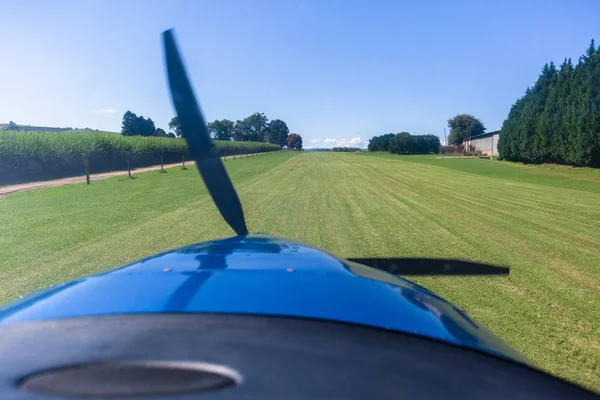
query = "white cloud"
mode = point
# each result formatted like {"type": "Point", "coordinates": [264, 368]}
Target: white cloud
{"type": "Point", "coordinates": [315, 141]}
{"type": "Point", "coordinates": [344, 142]}
{"type": "Point", "coordinates": [105, 110]}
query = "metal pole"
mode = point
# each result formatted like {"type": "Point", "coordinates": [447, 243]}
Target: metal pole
{"type": "Point", "coordinates": [469, 138]}
{"type": "Point", "coordinates": [161, 164]}
{"type": "Point", "coordinates": [87, 172]}
{"type": "Point", "coordinates": [128, 169]}
{"type": "Point", "coordinates": [445, 139]}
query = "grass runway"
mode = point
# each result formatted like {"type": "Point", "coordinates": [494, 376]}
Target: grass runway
{"type": "Point", "coordinates": [542, 221]}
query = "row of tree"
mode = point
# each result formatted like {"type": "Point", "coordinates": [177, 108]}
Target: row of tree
{"type": "Point", "coordinates": [255, 128]}
{"type": "Point", "coordinates": [405, 143]}
{"type": "Point", "coordinates": [11, 127]}
{"type": "Point", "coordinates": [132, 125]}
{"type": "Point", "coordinates": [558, 119]}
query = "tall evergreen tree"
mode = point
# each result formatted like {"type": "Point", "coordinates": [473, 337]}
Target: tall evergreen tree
{"type": "Point", "coordinates": [558, 119]}
{"type": "Point", "coordinates": [540, 138]}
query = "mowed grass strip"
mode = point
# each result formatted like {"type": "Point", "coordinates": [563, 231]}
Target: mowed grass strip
{"type": "Point", "coordinates": [544, 223]}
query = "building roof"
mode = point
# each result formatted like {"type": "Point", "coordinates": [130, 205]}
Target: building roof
{"type": "Point", "coordinates": [485, 135]}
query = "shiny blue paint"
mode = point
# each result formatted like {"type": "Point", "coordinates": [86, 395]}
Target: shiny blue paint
{"type": "Point", "coordinates": [261, 275]}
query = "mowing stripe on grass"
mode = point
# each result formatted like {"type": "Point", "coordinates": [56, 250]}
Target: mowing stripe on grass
{"type": "Point", "coordinates": [354, 205]}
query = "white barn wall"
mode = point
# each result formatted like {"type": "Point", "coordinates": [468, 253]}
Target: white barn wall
{"type": "Point", "coordinates": [487, 145]}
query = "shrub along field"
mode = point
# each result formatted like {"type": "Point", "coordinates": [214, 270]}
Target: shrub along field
{"type": "Point", "coordinates": [31, 156]}
{"type": "Point", "coordinates": [543, 222]}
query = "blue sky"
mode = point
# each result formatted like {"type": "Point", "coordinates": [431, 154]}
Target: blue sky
{"type": "Point", "coordinates": [338, 72]}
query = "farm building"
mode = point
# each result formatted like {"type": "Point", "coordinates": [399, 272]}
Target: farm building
{"type": "Point", "coordinates": [487, 143]}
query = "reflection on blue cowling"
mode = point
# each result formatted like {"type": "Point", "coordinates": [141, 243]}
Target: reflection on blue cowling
{"type": "Point", "coordinates": [260, 275]}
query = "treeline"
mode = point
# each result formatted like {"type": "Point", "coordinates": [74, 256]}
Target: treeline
{"type": "Point", "coordinates": [558, 119]}
{"type": "Point", "coordinates": [31, 156]}
{"type": "Point", "coordinates": [345, 149]}
{"type": "Point", "coordinates": [11, 126]}
{"type": "Point", "coordinates": [254, 128]}
{"type": "Point", "coordinates": [405, 143]}
{"type": "Point", "coordinates": [133, 125]}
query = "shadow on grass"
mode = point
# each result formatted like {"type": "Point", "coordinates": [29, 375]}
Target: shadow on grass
{"type": "Point", "coordinates": [126, 178]}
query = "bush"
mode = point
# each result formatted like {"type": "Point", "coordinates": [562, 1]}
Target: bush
{"type": "Point", "coordinates": [405, 143]}
{"type": "Point", "coordinates": [30, 156]}
{"type": "Point", "coordinates": [470, 151]}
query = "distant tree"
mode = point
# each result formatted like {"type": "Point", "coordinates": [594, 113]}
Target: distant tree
{"type": "Point", "coordinates": [12, 127]}
{"type": "Point", "coordinates": [175, 127]}
{"type": "Point", "coordinates": [277, 132]}
{"type": "Point", "coordinates": [405, 143]}
{"type": "Point", "coordinates": [239, 131]}
{"type": "Point", "coordinates": [254, 127]}
{"type": "Point", "coordinates": [380, 143]}
{"type": "Point", "coordinates": [460, 125]}
{"type": "Point", "coordinates": [171, 135]}
{"type": "Point", "coordinates": [160, 132]}
{"type": "Point", "coordinates": [294, 141]}
{"type": "Point", "coordinates": [428, 143]}
{"type": "Point", "coordinates": [128, 125]}
{"type": "Point", "coordinates": [402, 143]}
{"type": "Point", "coordinates": [221, 129]}
{"type": "Point", "coordinates": [133, 125]}
{"type": "Point", "coordinates": [145, 127]}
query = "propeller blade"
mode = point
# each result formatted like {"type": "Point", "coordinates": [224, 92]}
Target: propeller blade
{"type": "Point", "coordinates": [431, 266]}
{"type": "Point", "coordinates": [193, 128]}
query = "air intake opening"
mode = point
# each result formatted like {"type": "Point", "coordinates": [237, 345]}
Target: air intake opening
{"type": "Point", "coordinates": [123, 379]}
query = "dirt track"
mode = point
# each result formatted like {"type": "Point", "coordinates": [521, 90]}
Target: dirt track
{"type": "Point", "coordinates": [4, 190]}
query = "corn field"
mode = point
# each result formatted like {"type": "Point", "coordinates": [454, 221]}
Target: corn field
{"type": "Point", "coordinates": [30, 156]}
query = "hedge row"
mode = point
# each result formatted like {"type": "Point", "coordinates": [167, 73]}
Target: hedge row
{"type": "Point", "coordinates": [31, 156]}
{"type": "Point", "coordinates": [558, 119]}
{"type": "Point", "coordinates": [405, 143]}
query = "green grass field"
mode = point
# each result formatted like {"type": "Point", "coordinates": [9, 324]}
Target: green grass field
{"type": "Point", "coordinates": [542, 221]}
